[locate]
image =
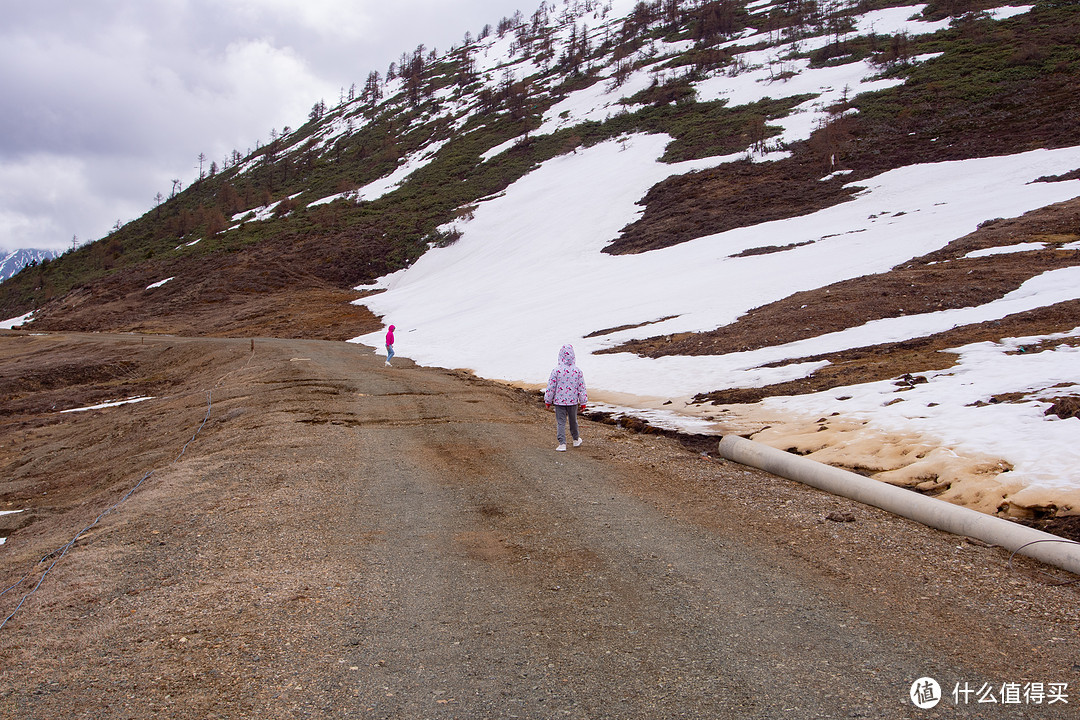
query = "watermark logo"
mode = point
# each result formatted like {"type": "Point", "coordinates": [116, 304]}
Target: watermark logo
{"type": "Point", "coordinates": [925, 693]}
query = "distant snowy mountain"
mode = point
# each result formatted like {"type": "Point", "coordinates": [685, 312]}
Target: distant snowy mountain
{"type": "Point", "coordinates": [13, 262]}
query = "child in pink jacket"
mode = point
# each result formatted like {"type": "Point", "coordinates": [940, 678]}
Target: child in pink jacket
{"type": "Point", "coordinates": [389, 344]}
{"type": "Point", "coordinates": [566, 391]}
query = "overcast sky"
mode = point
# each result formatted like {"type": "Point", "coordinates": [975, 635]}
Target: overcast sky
{"type": "Point", "coordinates": [104, 102]}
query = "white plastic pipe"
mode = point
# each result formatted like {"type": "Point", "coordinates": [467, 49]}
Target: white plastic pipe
{"type": "Point", "coordinates": [935, 513]}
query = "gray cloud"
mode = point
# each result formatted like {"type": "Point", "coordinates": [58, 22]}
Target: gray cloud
{"type": "Point", "coordinates": [106, 102]}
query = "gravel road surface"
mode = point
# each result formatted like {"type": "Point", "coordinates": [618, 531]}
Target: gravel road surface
{"type": "Point", "coordinates": [341, 539]}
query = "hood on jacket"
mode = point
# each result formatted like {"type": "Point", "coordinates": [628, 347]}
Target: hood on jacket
{"type": "Point", "coordinates": [391, 328]}
{"type": "Point", "coordinates": [566, 355]}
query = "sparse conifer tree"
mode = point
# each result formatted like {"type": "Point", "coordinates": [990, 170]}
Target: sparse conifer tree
{"type": "Point", "coordinates": [539, 19]}
{"type": "Point", "coordinates": [466, 69]}
{"type": "Point", "coordinates": [623, 68]}
{"type": "Point", "coordinates": [372, 92]}
{"type": "Point", "coordinates": [899, 52]}
{"type": "Point", "coordinates": [714, 20]}
{"type": "Point", "coordinates": [487, 100]}
{"type": "Point", "coordinates": [517, 100]}
{"type": "Point", "coordinates": [671, 12]}
{"type": "Point", "coordinates": [414, 76]}
{"type": "Point", "coordinates": [215, 223]}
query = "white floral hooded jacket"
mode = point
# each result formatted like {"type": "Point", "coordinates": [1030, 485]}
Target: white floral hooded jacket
{"type": "Point", "coordinates": [566, 384]}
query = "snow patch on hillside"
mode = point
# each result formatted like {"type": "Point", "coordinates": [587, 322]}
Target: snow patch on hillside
{"type": "Point", "coordinates": [106, 405]}
{"type": "Point", "coordinates": [388, 183]}
{"type": "Point", "coordinates": [16, 322]}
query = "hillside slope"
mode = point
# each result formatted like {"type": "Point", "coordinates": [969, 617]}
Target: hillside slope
{"type": "Point", "coordinates": [724, 205]}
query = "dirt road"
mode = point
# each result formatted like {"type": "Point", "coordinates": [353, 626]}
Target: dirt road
{"type": "Point", "coordinates": [345, 540]}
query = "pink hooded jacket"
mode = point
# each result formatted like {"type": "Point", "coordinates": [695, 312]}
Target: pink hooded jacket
{"type": "Point", "coordinates": [566, 384]}
{"type": "Point", "coordinates": [390, 336]}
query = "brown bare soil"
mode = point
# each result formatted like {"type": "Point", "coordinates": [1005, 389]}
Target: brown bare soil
{"type": "Point", "coordinates": [1064, 407]}
{"type": "Point", "coordinates": [222, 299]}
{"type": "Point", "coordinates": [290, 529]}
{"type": "Point", "coordinates": [685, 207]}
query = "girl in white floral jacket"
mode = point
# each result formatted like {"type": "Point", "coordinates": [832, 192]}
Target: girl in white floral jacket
{"type": "Point", "coordinates": [566, 391]}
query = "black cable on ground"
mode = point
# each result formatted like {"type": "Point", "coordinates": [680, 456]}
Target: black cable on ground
{"type": "Point", "coordinates": [1056, 582]}
{"type": "Point", "coordinates": [61, 551]}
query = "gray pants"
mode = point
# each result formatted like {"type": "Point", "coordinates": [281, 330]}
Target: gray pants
{"type": "Point", "coordinates": [562, 413]}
